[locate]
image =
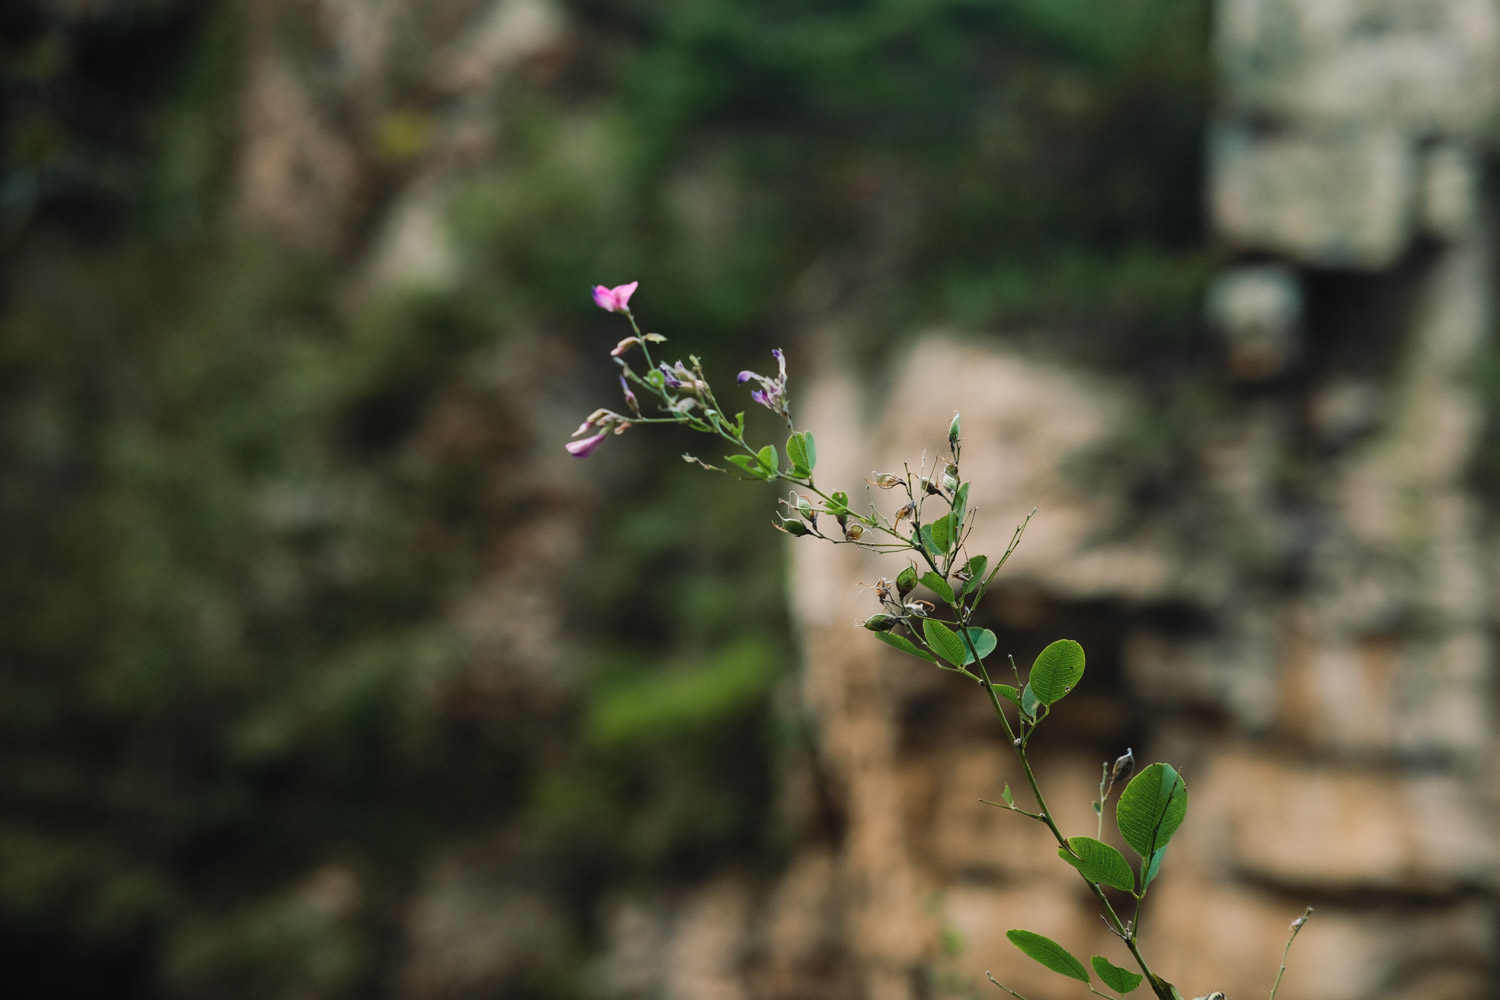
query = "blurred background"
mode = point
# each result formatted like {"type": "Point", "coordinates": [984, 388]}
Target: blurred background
{"type": "Point", "coordinates": [327, 673]}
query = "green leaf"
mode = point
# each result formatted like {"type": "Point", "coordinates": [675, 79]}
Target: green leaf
{"type": "Point", "coordinates": [905, 645]}
{"type": "Point", "coordinates": [1151, 809]}
{"type": "Point", "coordinates": [1010, 800]}
{"type": "Point", "coordinates": [924, 538]}
{"type": "Point", "coordinates": [960, 510]}
{"type": "Point", "coordinates": [1154, 866]}
{"type": "Point", "coordinates": [796, 453]}
{"type": "Point", "coordinates": [1029, 703]}
{"type": "Point", "coordinates": [944, 641]}
{"type": "Point", "coordinates": [1098, 862]}
{"type": "Point", "coordinates": [983, 641]}
{"type": "Point", "coordinates": [768, 458]}
{"type": "Point", "coordinates": [1051, 954]}
{"type": "Point", "coordinates": [942, 532]}
{"type": "Point", "coordinates": [1118, 979]}
{"type": "Point", "coordinates": [750, 465]}
{"type": "Point", "coordinates": [937, 585]}
{"type": "Point", "coordinates": [1009, 693]}
{"type": "Point", "coordinates": [811, 449]}
{"type": "Point", "coordinates": [838, 503]}
{"type": "Point", "coordinates": [974, 569]}
{"type": "Point", "coordinates": [1056, 670]}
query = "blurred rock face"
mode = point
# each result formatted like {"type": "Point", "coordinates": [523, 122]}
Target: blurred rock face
{"type": "Point", "coordinates": [1313, 648]}
{"type": "Point", "coordinates": [1314, 652]}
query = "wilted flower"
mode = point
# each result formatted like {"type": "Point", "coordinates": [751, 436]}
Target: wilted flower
{"type": "Point", "coordinates": [616, 299]}
{"type": "Point", "coordinates": [623, 345]}
{"type": "Point", "coordinates": [582, 448]}
{"type": "Point", "coordinates": [772, 391]}
{"type": "Point", "coordinates": [885, 480]}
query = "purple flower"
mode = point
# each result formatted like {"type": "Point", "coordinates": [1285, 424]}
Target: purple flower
{"type": "Point", "coordinates": [616, 299]}
{"type": "Point", "coordinates": [581, 449]}
{"type": "Point", "coordinates": [772, 391]}
{"type": "Point", "coordinates": [630, 400]}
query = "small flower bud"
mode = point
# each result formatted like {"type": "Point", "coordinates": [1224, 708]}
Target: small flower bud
{"type": "Point", "coordinates": [953, 431]}
{"type": "Point", "coordinates": [906, 580]}
{"type": "Point", "coordinates": [853, 531]}
{"type": "Point", "coordinates": [654, 338]}
{"type": "Point", "coordinates": [880, 623]}
{"type": "Point", "coordinates": [791, 526]}
{"type": "Point", "coordinates": [1124, 765]}
{"type": "Point", "coordinates": [950, 477]}
{"type": "Point", "coordinates": [624, 346]}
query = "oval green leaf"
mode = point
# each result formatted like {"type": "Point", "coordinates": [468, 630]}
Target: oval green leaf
{"type": "Point", "coordinates": [983, 641]}
{"type": "Point", "coordinates": [938, 586]}
{"type": "Point", "coordinates": [1056, 671]}
{"type": "Point", "coordinates": [1153, 867]}
{"type": "Point", "coordinates": [811, 449]}
{"type": "Point", "coordinates": [796, 453]}
{"type": "Point", "coordinates": [750, 465]}
{"type": "Point", "coordinates": [926, 544]}
{"type": "Point", "coordinates": [1009, 693]}
{"type": "Point", "coordinates": [1151, 809]}
{"type": "Point", "coordinates": [942, 533]}
{"type": "Point", "coordinates": [944, 641]}
{"type": "Point", "coordinates": [1051, 954]}
{"type": "Point", "coordinates": [768, 458]}
{"type": "Point", "coordinates": [1118, 979]}
{"type": "Point", "coordinates": [1098, 862]}
{"type": "Point", "coordinates": [905, 645]}
{"type": "Point", "coordinates": [1029, 703]}
{"type": "Point", "coordinates": [974, 569]}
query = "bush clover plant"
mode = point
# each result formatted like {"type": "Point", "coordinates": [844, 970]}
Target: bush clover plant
{"type": "Point", "coordinates": [931, 525]}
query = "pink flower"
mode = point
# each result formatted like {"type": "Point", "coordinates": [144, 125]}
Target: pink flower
{"type": "Point", "coordinates": [616, 299]}
{"type": "Point", "coordinates": [582, 448]}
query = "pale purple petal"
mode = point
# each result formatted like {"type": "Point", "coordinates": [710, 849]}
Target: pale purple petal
{"type": "Point", "coordinates": [582, 448]}
{"type": "Point", "coordinates": [746, 376]}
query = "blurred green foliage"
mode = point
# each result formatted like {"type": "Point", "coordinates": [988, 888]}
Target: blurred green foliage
{"type": "Point", "coordinates": [224, 577]}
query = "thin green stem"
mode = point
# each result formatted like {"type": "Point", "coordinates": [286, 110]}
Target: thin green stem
{"type": "Point", "coordinates": [1003, 986]}
{"type": "Point", "coordinates": [1296, 927]}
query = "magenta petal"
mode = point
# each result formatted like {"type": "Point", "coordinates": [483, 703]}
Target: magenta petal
{"type": "Point", "coordinates": [582, 448]}
{"type": "Point", "coordinates": [604, 298]}
{"type": "Point", "coordinates": [623, 294]}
